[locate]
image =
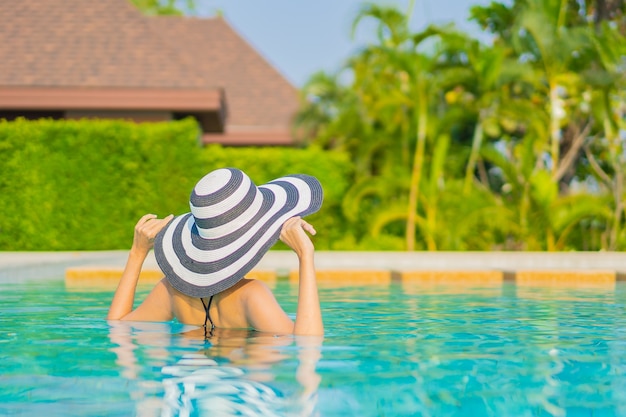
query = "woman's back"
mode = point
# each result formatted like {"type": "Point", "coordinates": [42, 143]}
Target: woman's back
{"type": "Point", "coordinates": [225, 308]}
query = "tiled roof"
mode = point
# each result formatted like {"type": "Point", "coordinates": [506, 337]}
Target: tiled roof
{"type": "Point", "coordinates": [252, 85]}
{"type": "Point", "coordinates": [86, 43]}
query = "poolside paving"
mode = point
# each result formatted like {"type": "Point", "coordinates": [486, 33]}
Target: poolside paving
{"type": "Point", "coordinates": [525, 268]}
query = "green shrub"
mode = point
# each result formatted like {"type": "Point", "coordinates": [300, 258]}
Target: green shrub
{"type": "Point", "coordinates": [82, 185]}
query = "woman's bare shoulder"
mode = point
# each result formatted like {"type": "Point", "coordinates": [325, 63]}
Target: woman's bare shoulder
{"type": "Point", "coordinates": [251, 284]}
{"type": "Point", "coordinates": [249, 287]}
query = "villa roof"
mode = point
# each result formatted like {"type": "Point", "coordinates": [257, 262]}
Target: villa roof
{"type": "Point", "coordinates": [110, 45]}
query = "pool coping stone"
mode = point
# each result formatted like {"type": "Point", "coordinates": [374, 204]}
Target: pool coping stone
{"type": "Point", "coordinates": [26, 266]}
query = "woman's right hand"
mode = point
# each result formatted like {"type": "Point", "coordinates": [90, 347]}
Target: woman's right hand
{"type": "Point", "coordinates": [156, 306]}
{"type": "Point", "coordinates": [146, 230]}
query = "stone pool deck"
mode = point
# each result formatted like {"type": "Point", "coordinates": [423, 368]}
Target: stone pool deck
{"type": "Point", "coordinates": [474, 268]}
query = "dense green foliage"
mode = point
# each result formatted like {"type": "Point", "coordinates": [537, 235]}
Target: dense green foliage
{"type": "Point", "coordinates": [165, 7]}
{"type": "Point", "coordinates": [461, 145]}
{"type": "Point", "coordinates": [81, 185]}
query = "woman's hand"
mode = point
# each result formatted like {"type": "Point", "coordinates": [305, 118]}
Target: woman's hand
{"type": "Point", "coordinates": [146, 230]}
{"type": "Point", "coordinates": [293, 234]}
{"type": "Point", "coordinates": [308, 314]}
{"type": "Point", "coordinates": [122, 304]}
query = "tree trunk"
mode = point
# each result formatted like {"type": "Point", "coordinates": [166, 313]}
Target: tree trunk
{"type": "Point", "coordinates": [418, 161]}
{"type": "Point", "coordinates": [615, 151]}
{"type": "Point", "coordinates": [473, 158]}
{"type": "Point", "coordinates": [555, 129]}
{"type": "Point", "coordinates": [607, 10]}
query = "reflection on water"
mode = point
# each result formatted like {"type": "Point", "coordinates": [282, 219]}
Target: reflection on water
{"type": "Point", "coordinates": [231, 373]}
{"type": "Point", "coordinates": [389, 350]}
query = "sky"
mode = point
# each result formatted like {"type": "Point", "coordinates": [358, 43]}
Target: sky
{"type": "Point", "coordinates": [300, 37]}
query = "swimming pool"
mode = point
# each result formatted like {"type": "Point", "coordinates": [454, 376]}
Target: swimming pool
{"type": "Point", "coordinates": [389, 350]}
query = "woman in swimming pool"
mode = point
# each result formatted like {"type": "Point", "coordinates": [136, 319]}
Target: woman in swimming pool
{"type": "Point", "coordinates": [206, 254]}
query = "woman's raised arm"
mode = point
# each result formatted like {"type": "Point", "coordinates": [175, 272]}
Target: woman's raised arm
{"type": "Point", "coordinates": [145, 230]}
{"type": "Point", "coordinates": [308, 314]}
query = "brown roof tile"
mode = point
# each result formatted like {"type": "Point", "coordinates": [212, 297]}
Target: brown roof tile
{"type": "Point", "coordinates": [86, 43]}
{"type": "Point", "coordinates": [256, 93]}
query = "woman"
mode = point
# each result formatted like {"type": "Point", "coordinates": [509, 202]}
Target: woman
{"type": "Point", "coordinates": [205, 255]}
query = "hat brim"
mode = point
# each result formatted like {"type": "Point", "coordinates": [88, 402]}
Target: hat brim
{"type": "Point", "coordinates": [201, 267]}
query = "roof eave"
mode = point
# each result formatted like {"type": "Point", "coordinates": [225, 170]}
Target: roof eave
{"type": "Point", "coordinates": [250, 138]}
{"type": "Point", "coordinates": [112, 98]}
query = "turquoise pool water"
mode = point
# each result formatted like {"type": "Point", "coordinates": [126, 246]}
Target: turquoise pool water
{"type": "Point", "coordinates": [388, 351]}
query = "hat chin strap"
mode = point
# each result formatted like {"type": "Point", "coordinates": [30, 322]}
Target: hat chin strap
{"type": "Point", "coordinates": [207, 318]}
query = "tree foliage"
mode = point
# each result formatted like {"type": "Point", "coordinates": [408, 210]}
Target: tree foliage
{"type": "Point", "coordinates": [165, 7]}
{"type": "Point", "coordinates": [521, 139]}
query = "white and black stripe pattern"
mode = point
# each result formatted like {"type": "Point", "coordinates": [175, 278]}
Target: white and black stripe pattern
{"type": "Point", "coordinates": [232, 224]}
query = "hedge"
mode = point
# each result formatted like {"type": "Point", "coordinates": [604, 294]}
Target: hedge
{"type": "Point", "coordinates": [82, 185]}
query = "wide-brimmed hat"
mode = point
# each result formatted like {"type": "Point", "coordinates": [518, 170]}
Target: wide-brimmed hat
{"type": "Point", "coordinates": [232, 224]}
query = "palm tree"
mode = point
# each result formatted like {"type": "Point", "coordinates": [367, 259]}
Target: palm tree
{"type": "Point", "coordinates": [390, 77]}
{"type": "Point", "coordinates": [555, 37]}
{"type": "Point", "coordinates": [554, 48]}
{"type": "Point", "coordinates": [369, 117]}
{"type": "Point", "coordinates": [607, 101]}
{"type": "Point", "coordinates": [483, 78]}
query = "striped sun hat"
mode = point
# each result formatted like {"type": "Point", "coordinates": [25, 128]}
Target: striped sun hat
{"type": "Point", "coordinates": [232, 224]}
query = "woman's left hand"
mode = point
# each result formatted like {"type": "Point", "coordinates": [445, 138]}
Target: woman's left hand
{"type": "Point", "coordinates": [293, 234]}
